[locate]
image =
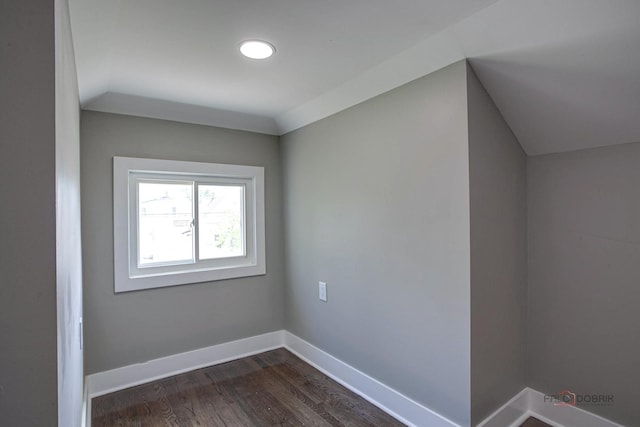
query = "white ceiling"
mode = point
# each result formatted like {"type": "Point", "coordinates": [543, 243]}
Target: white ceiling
{"type": "Point", "coordinates": [564, 73]}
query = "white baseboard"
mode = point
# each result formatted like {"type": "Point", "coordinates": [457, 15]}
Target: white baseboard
{"type": "Point", "coordinates": [511, 413]}
{"type": "Point", "coordinates": [389, 400]}
{"type": "Point", "coordinates": [85, 420]}
{"type": "Point", "coordinates": [141, 373]}
{"type": "Point", "coordinates": [531, 403]}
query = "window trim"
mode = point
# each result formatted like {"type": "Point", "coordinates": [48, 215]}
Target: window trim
{"type": "Point", "coordinates": [127, 278]}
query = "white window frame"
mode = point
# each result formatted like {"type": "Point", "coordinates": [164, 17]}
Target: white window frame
{"type": "Point", "coordinates": [128, 276]}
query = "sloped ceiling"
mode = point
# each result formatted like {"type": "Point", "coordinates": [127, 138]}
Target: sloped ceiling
{"type": "Point", "coordinates": [564, 73]}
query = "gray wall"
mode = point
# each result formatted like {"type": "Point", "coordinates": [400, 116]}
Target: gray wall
{"type": "Point", "coordinates": [377, 205]}
{"type": "Point", "coordinates": [584, 293]}
{"type": "Point", "coordinates": [28, 385]}
{"type": "Point", "coordinates": [138, 326]}
{"type": "Point", "coordinates": [68, 247]}
{"type": "Point", "coordinates": [497, 180]}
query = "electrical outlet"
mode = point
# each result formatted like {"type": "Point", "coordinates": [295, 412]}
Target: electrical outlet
{"type": "Point", "coordinates": [322, 291]}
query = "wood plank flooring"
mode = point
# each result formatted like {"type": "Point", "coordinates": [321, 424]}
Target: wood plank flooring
{"type": "Point", "coordinates": [270, 389]}
{"type": "Point", "coordinates": [534, 422]}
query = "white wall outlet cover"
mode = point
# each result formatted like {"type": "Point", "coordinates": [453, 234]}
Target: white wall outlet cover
{"type": "Point", "coordinates": [322, 291]}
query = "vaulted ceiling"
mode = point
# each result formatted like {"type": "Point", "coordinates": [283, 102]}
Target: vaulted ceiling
{"type": "Point", "coordinates": [564, 73]}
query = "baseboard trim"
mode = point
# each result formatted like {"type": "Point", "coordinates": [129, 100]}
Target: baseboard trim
{"type": "Point", "coordinates": [384, 397]}
{"type": "Point", "coordinates": [531, 403]}
{"type": "Point", "coordinates": [511, 413]}
{"type": "Point", "coordinates": [128, 376]}
{"type": "Point", "coordinates": [85, 420]}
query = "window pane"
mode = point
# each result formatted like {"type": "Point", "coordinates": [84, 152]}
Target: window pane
{"type": "Point", "coordinates": [165, 212]}
{"type": "Point", "coordinates": [221, 221]}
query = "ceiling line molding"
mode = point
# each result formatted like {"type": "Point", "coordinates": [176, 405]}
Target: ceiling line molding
{"type": "Point", "coordinates": [133, 105]}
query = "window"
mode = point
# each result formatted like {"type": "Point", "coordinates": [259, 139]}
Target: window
{"type": "Point", "coordinates": [185, 222]}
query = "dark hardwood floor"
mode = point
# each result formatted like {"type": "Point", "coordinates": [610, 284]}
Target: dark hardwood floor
{"type": "Point", "coordinates": [534, 422]}
{"type": "Point", "coordinates": [270, 389]}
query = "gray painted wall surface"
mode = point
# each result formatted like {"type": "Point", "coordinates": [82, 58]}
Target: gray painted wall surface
{"type": "Point", "coordinates": [497, 177]}
{"type": "Point", "coordinates": [68, 247]}
{"type": "Point", "coordinates": [138, 326]}
{"type": "Point", "coordinates": [28, 384]}
{"type": "Point", "coordinates": [584, 293]}
{"type": "Point", "coordinates": [377, 205]}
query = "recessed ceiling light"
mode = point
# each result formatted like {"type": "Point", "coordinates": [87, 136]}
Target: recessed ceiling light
{"type": "Point", "coordinates": [256, 49]}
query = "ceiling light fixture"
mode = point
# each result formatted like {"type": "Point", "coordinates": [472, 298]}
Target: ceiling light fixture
{"type": "Point", "coordinates": [257, 49]}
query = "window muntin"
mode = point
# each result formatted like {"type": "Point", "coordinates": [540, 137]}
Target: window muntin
{"type": "Point", "coordinates": [186, 222]}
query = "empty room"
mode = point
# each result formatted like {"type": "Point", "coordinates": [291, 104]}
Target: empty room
{"type": "Point", "coordinates": [337, 213]}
